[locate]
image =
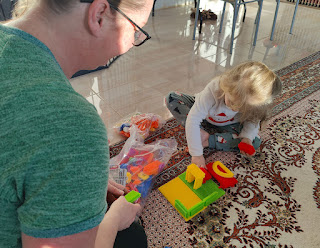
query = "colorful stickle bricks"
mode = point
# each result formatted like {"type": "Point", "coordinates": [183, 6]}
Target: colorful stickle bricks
{"type": "Point", "coordinates": [132, 196]}
{"type": "Point", "coordinates": [207, 175]}
{"type": "Point", "coordinates": [246, 148]}
{"type": "Point", "coordinates": [223, 175]}
{"type": "Point", "coordinates": [187, 200]}
{"type": "Point", "coordinates": [194, 173]}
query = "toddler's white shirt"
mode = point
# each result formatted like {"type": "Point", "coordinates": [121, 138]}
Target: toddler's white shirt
{"type": "Point", "coordinates": [209, 106]}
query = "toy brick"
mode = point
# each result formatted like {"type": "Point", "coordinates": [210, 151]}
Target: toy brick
{"type": "Point", "coordinates": [194, 173]}
{"type": "Point", "coordinates": [144, 187]}
{"type": "Point", "coordinates": [246, 148]}
{"type": "Point", "coordinates": [206, 190]}
{"type": "Point", "coordinates": [152, 168]}
{"type": "Point", "coordinates": [188, 201]}
{"type": "Point", "coordinates": [182, 209]}
{"type": "Point", "coordinates": [196, 208]}
{"type": "Point", "coordinates": [221, 170]}
{"type": "Point", "coordinates": [213, 197]}
{"type": "Point", "coordinates": [207, 175]}
{"type": "Point", "coordinates": [224, 182]}
{"type": "Point", "coordinates": [132, 196]}
{"type": "Point", "coordinates": [177, 189]}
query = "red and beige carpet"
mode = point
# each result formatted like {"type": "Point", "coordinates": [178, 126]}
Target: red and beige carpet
{"type": "Point", "coordinates": [277, 200]}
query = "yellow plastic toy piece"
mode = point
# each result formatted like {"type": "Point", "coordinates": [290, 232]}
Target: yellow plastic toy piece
{"type": "Point", "coordinates": [143, 176]}
{"type": "Point", "coordinates": [194, 173]}
{"type": "Point", "coordinates": [226, 174]}
{"type": "Point", "coordinates": [128, 177]}
{"type": "Point", "coordinates": [175, 190]}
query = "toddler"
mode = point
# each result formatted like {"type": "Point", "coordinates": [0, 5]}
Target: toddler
{"type": "Point", "coordinates": [234, 103]}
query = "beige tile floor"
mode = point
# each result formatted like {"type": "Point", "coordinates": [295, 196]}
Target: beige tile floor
{"type": "Point", "coordinates": [172, 61]}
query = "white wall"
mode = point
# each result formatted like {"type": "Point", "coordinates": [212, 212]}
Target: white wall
{"type": "Point", "coordinates": [160, 4]}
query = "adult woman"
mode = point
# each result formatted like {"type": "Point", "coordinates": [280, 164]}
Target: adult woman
{"type": "Point", "coordinates": [54, 160]}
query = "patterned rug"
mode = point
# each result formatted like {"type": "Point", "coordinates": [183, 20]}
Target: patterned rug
{"type": "Point", "coordinates": [277, 200]}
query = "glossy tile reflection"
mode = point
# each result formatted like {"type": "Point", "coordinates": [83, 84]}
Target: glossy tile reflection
{"type": "Point", "coordinates": [172, 61]}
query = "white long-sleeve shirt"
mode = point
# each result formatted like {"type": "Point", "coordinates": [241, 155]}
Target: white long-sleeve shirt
{"type": "Point", "coordinates": [209, 106]}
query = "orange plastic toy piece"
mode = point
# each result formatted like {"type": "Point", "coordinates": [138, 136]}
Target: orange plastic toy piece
{"type": "Point", "coordinates": [152, 168]}
{"type": "Point", "coordinates": [135, 170]}
{"type": "Point", "coordinates": [137, 182]}
{"type": "Point", "coordinates": [249, 149]}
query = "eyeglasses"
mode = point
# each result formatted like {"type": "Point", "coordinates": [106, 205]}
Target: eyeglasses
{"type": "Point", "coordinates": [140, 36]}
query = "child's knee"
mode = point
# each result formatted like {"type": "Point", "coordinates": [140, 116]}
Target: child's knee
{"type": "Point", "coordinates": [169, 98]}
{"type": "Point", "coordinates": [256, 143]}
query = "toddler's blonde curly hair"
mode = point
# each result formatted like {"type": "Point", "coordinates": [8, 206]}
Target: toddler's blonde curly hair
{"type": "Point", "coordinates": [254, 86]}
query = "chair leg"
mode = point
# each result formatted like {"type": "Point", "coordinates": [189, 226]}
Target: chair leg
{"type": "Point", "coordinates": [200, 28]}
{"type": "Point", "coordinates": [245, 11]}
{"type": "Point", "coordinates": [235, 15]}
{"type": "Point", "coordinates": [258, 22]}
{"type": "Point", "coordinates": [196, 20]}
{"type": "Point", "coordinates": [222, 16]}
{"type": "Point", "coordinates": [275, 19]}
{"type": "Point", "coordinates": [294, 16]}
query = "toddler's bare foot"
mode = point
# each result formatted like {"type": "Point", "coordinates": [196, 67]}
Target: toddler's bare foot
{"type": "Point", "coordinates": [204, 138]}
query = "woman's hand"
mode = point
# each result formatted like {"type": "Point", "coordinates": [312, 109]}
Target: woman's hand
{"type": "Point", "coordinates": [199, 161]}
{"type": "Point", "coordinates": [123, 213]}
{"type": "Point", "coordinates": [249, 142]}
{"type": "Point", "coordinates": [115, 190]}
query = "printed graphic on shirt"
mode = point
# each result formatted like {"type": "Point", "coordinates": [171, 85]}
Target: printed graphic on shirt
{"type": "Point", "coordinates": [222, 140]}
{"type": "Point", "coordinates": [220, 118]}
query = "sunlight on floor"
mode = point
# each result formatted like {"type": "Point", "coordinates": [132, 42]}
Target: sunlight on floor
{"type": "Point", "coordinates": [172, 61]}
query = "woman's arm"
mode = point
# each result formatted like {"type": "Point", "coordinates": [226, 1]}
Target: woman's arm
{"type": "Point", "coordinates": [119, 217]}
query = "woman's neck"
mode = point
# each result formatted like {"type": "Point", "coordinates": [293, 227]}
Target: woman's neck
{"type": "Point", "coordinates": [55, 35]}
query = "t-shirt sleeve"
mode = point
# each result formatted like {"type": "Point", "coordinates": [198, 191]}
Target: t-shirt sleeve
{"type": "Point", "coordinates": [66, 161]}
{"type": "Point", "coordinates": [199, 111]}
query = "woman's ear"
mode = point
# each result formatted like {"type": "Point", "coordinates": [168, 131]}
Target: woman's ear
{"type": "Point", "coordinates": [96, 15]}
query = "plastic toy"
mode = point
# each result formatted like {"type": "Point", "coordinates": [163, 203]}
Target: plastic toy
{"type": "Point", "coordinates": [152, 168]}
{"type": "Point", "coordinates": [207, 175]}
{"type": "Point", "coordinates": [223, 175]}
{"type": "Point", "coordinates": [187, 200]}
{"type": "Point", "coordinates": [249, 149]}
{"type": "Point", "coordinates": [194, 173]}
{"type": "Point", "coordinates": [141, 168]}
{"type": "Point", "coordinates": [145, 124]}
{"type": "Point", "coordinates": [192, 191]}
{"type": "Point", "coordinates": [132, 196]}
{"type": "Point", "coordinates": [138, 163]}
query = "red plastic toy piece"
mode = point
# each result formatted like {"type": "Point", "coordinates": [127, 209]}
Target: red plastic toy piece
{"type": "Point", "coordinates": [224, 182]}
{"type": "Point", "coordinates": [207, 175]}
{"type": "Point", "coordinates": [249, 149]}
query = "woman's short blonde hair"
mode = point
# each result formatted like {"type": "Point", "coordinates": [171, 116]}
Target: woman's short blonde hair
{"type": "Point", "coordinates": [63, 6]}
{"type": "Point", "coordinates": [253, 86]}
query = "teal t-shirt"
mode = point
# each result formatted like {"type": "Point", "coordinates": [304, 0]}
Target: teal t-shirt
{"type": "Point", "coordinates": [54, 151]}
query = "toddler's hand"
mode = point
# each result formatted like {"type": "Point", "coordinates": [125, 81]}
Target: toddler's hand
{"type": "Point", "coordinates": [249, 142]}
{"type": "Point", "coordinates": [199, 161]}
